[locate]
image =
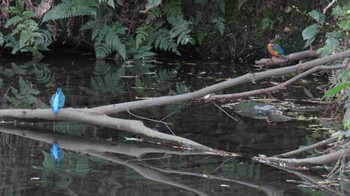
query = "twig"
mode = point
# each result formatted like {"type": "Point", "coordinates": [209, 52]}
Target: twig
{"type": "Point", "coordinates": [300, 164]}
{"type": "Point", "coordinates": [328, 6]}
{"type": "Point", "coordinates": [224, 111]}
{"type": "Point", "coordinates": [307, 148]}
{"type": "Point", "coordinates": [158, 121]}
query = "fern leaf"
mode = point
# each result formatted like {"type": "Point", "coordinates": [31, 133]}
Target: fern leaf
{"type": "Point", "coordinates": [153, 14]}
{"type": "Point", "coordinates": [69, 8]}
{"type": "Point", "coordinates": [141, 35]}
{"type": "Point", "coordinates": [108, 2]}
{"type": "Point", "coordinates": [219, 24]}
{"type": "Point", "coordinates": [13, 21]}
{"type": "Point", "coordinates": [152, 4]}
{"type": "Point", "coordinates": [102, 51]}
{"type": "Point", "coordinates": [1, 39]}
{"type": "Point", "coordinates": [120, 47]}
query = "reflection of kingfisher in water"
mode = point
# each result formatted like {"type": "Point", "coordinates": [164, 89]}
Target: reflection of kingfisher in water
{"type": "Point", "coordinates": [57, 100]}
{"type": "Point", "coordinates": [276, 50]}
{"type": "Point", "coordinates": [57, 154]}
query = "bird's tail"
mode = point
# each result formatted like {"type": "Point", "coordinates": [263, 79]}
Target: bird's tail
{"type": "Point", "coordinates": [285, 57]}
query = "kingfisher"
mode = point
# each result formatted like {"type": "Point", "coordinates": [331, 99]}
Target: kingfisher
{"type": "Point", "coordinates": [276, 50]}
{"type": "Point", "coordinates": [57, 100]}
{"type": "Point", "coordinates": [57, 154]}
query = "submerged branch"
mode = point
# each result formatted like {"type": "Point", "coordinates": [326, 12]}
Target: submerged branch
{"type": "Point", "coordinates": [310, 147]}
{"type": "Point", "coordinates": [303, 163]}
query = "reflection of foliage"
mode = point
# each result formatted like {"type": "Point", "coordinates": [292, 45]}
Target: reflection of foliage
{"type": "Point", "coordinates": [15, 70]}
{"type": "Point", "coordinates": [24, 97]}
{"type": "Point", "coordinates": [42, 74]}
{"type": "Point", "coordinates": [164, 79]}
{"type": "Point", "coordinates": [72, 128]}
{"type": "Point", "coordinates": [41, 71]}
{"type": "Point", "coordinates": [105, 84]}
{"type": "Point", "coordinates": [72, 164]}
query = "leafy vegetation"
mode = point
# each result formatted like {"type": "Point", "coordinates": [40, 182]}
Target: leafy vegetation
{"type": "Point", "coordinates": [138, 29]}
{"type": "Point", "coordinates": [25, 36]}
{"type": "Point", "coordinates": [24, 97]}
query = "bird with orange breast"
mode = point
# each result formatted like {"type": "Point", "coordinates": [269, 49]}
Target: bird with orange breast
{"type": "Point", "coordinates": [276, 50]}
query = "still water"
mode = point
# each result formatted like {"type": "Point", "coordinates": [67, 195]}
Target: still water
{"type": "Point", "coordinates": [101, 161]}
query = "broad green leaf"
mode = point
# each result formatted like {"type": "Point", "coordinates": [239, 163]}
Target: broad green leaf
{"type": "Point", "coordinates": [335, 90]}
{"type": "Point", "coordinates": [347, 124]}
{"type": "Point", "coordinates": [309, 42]}
{"type": "Point", "coordinates": [319, 17]}
{"type": "Point", "coordinates": [308, 93]}
{"type": "Point", "coordinates": [310, 32]}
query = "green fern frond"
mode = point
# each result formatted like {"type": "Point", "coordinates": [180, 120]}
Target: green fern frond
{"type": "Point", "coordinates": [107, 40]}
{"type": "Point", "coordinates": [91, 24]}
{"type": "Point", "coordinates": [164, 42]}
{"type": "Point", "coordinates": [181, 30]}
{"type": "Point", "coordinates": [71, 8]}
{"type": "Point", "coordinates": [141, 34]}
{"type": "Point", "coordinates": [201, 2]}
{"type": "Point", "coordinates": [2, 40]}
{"type": "Point", "coordinates": [152, 4]}
{"type": "Point", "coordinates": [153, 14]}
{"type": "Point", "coordinates": [108, 2]}
{"type": "Point", "coordinates": [219, 24]}
{"type": "Point", "coordinates": [173, 8]}
{"type": "Point", "coordinates": [13, 21]}
{"type": "Point", "coordinates": [221, 5]}
{"type": "Point", "coordinates": [102, 67]}
{"type": "Point", "coordinates": [102, 51]}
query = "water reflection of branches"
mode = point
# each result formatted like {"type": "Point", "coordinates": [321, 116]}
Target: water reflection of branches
{"type": "Point", "coordinates": [112, 151]}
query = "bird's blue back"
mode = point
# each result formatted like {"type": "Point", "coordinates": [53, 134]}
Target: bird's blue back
{"type": "Point", "coordinates": [278, 49]}
{"type": "Point", "coordinates": [57, 100]}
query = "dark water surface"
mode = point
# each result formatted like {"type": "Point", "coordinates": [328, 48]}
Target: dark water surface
{"type": "Point", "coordinates": [101, 161]}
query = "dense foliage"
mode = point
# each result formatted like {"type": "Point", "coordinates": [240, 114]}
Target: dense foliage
{"type": "Point", "coordinates": [136, 29]}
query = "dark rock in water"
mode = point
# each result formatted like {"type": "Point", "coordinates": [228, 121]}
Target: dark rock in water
{"type": "Point", "coordinates": [259, 110]}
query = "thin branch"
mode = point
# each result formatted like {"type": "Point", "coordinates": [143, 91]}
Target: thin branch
{"type": "Point", "coordinates": [328, 6]}
{"type": "Point", "coordinates": [225, 111]}
{"type": "Point", "coordinates": [300, 164]}
{"type": "Point", "coordinates": [307, 148]}
{"type": "Point", "coordinates": [158, 121]}
{"type": "Point", "coordinates": [281, 86]}
{"type": "Point", "coordinates": [267, 62]}
{"type": "Point", "coordinates": [250, 77]}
